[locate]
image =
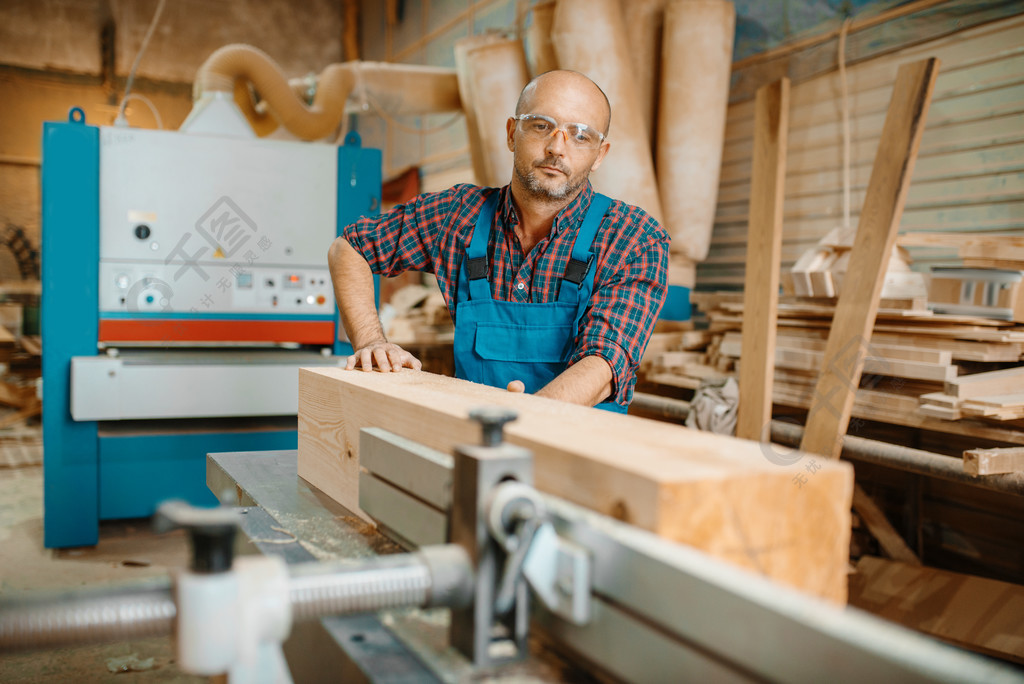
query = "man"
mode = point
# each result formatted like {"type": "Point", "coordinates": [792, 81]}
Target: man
{"type": "Point", "coordinates": [553, 289]}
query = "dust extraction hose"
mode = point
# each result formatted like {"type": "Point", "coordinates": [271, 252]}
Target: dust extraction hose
{"type": "Point", "coordinates": [397, 89]}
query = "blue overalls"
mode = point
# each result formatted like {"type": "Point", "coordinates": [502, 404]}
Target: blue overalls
{"type": "Point", "coordinates": [498, 341]}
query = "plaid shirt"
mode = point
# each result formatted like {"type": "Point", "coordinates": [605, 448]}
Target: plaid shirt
{"type": "Point", "coordinates": [431, 233]}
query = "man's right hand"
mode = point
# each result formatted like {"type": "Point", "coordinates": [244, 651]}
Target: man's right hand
{"type": "Point", "coordinates": [385, 356]}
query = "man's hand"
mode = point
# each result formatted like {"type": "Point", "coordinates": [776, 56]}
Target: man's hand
{"type": "Point", "coordinates": [385, 356]}
{"type": "Point", "coordinates": [516, 386]}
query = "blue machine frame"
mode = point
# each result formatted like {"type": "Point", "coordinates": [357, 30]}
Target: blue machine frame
{"type": "Point", "coordinates": [90, 476]}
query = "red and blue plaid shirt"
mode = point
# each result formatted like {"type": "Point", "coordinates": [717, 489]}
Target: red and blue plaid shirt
{"type": "Point", "coordinates": [431, 233]}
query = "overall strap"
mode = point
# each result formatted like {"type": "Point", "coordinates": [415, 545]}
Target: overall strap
{"type": "Point", "coordinates": [473, 273]}
{"type": "Point", "coordinates": [581, 263]}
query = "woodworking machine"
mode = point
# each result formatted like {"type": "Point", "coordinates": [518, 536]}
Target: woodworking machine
{"type": "Point", "coordinates": [499, 580]}
{"type": "Point", "coordinates": [184, 284]}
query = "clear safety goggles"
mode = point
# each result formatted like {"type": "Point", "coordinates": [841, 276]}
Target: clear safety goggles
{"type": "Point", "coordinates": [540, 127]}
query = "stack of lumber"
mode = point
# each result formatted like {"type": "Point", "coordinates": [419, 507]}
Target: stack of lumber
{"type": "Point", "coordinates": [976, 250]}
{"type": "Point", "coordinates": [916, 364]}
{"type": "Point", "coordinates": [820, 270]}
{"type": "Point", "coordinates": [995, 395]}
{"type": "Point", "coordinates": [716, 493]}
{"type": "Point", "coordinates": [419, 316]}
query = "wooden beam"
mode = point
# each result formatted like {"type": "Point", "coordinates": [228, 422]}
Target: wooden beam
{"type": "Point", "coordinates": [764, 250]}
{"type": "Point", "coordinates": [994, 461]}
{"type": "Point", "coordinates": [783, 515]}
{"type": "Point", "coordinates": [993, 383]}
{"type": "Point", "coordinates": [876, 234]}
{"type": "Point", "coordinates": [888, 538]}
{"type": "Point", "coordinates": [854, 320]}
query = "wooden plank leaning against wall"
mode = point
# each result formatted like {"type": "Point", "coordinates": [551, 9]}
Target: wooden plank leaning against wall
{"type": "Point", "coordinates": [764, 244]}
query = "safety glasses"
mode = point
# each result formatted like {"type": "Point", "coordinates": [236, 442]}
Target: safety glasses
{"type": "Point", "coordinates": [540, 127]}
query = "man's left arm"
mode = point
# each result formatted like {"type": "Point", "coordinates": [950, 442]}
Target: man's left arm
{"type": "Point", "coordinates": [587, 382]}
{"type": "Point", "coordinates": [615, 329]}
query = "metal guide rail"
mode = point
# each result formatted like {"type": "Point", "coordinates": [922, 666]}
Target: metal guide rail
{"type": "Point", "coordinates": [659, 611]}
{"type": "Point", "coordinates": [494, 559]}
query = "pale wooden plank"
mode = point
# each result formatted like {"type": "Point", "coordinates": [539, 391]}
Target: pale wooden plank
{"type": "Point", "coordinates": [941, 399]}
{"type": "Point", "coordinates": [994, 461]}
{"type": "Point", "coordinates": [889, 539]}
{"type": "Point", "coordinates": [835, 392]}
{"type": "Point", "coordinates": [761, 291]}
{"type": "Point", "coordinates": [941, 412]}
{"type": "Point", "coordinates": [1005, 381]}
{"type": "Point", "coordinates": [807, 359]}
{"type": "Point", "coordinates": [1001, 400]}
{"type": "Point", "coordinates": [897, 410]}
{"type": "Point", "coordinates": [876, 235]}
{"type": "Point", "coordinates": [719, 494]}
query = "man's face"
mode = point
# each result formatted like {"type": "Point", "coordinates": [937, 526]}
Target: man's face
{"type": "Point", "coordinates": [553, 169]}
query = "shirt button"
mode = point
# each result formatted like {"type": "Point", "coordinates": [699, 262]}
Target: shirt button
{"type": "Point", "coordinates": [520, 286]}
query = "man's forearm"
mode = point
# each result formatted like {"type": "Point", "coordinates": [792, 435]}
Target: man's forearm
{"type": "Point", "coordinates": [586, 382]}
{"type": "Point", "coordinates": [353, 291]}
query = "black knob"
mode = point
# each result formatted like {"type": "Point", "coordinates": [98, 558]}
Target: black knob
{"type": "Point", "coordinates": [142, 231]}
{"type": "Point", "coordinates": [492, 421]}
{"type": "Point", "coordinates": [211, 531]}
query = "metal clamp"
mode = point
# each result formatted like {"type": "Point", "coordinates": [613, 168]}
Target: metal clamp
{"type": "Point", "coordinates": [557, 570]}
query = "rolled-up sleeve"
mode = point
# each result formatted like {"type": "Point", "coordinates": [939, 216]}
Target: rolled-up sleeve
{"type": "Point", "coordinates": [404, 239]}
{"type": "Point", "coordinates": [628, 297]}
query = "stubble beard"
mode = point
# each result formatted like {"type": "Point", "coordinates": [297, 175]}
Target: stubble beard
{"type": "Point", "coordinates": [527, 176]}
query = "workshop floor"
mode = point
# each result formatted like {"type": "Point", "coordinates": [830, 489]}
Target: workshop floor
{"type": "Point", "coordinates": [127, 550]}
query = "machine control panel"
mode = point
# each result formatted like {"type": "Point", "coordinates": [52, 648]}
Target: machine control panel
{"type": "Point", "coordinates": [212, 226]}
{"type": "Point", "coordinates": [259, 290]}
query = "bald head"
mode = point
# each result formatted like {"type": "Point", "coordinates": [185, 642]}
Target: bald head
{"type": "Point", "coordinates": [571, 87]}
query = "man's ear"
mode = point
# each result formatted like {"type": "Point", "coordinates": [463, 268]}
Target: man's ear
{"type": "Point", "coordinates": [510, 134]}
{"type": "Point", "coordinates": [601, 153]}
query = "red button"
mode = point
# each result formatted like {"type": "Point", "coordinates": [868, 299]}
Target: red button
{"type": "Point", "coordinates": [320, 299]}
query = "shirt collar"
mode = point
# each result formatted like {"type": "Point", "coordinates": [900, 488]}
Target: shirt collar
{"type": "Point", "coordinates": [571, 214]}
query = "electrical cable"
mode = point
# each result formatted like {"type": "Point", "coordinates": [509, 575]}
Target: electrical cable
{"type": "Point", "coordinates": [138, 58]}
{"type": "Point", "coordinates": [148, 103]}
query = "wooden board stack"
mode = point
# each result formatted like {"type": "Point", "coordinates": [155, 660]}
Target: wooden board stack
{"type": "Point", "coordinates": [996, 395]}
{"type": "Point", "coordinates": [420, 316]}
{"type": "Point", "coordinates": [920, 368]}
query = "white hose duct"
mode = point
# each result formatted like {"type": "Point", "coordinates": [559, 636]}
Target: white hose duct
{"type": "Point", "coordinates": [589, 38]}
{"type": "Point", "coordinates": [695, 76]}
{"type": "Point", "coordinates": [491, 71]}
{"type": "Point", "coordinates": [397, 89]}
{"type": "Point", "coordinates": [644, 21]}
{"type": "Point", "coordinates": [540, 51]}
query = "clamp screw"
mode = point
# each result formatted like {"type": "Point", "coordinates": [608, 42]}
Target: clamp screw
{"type": "Point", "coordinates": [492, 420]}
